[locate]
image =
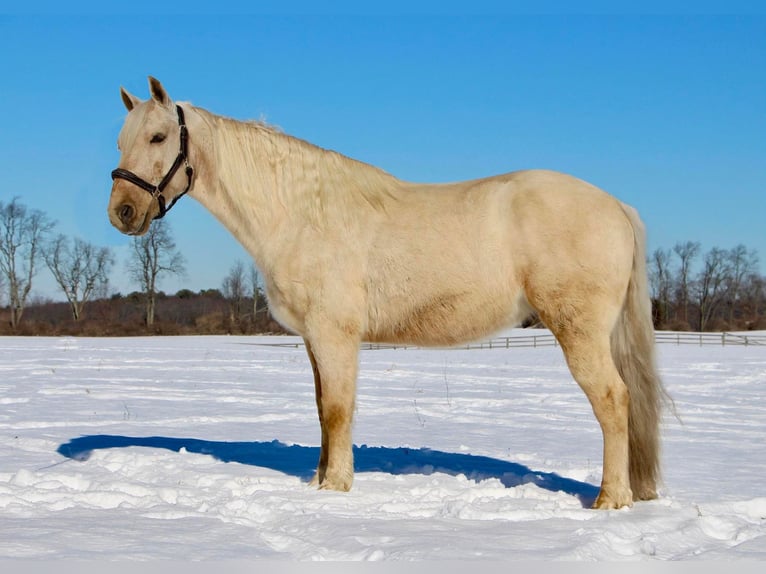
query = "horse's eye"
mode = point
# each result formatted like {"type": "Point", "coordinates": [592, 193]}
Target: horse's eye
{"type": "Point", "coordinates": [157, 138]}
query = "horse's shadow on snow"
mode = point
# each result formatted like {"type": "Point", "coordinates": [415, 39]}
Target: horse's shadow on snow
{"type": "Point", "coordinates": [300, 461]}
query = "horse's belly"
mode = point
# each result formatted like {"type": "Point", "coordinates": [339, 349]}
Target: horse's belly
{"type": "Point", "coordinates": [445, 320]}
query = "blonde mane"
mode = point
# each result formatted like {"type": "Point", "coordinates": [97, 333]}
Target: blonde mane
{"type": "Point", "coordinates": [253, 155]}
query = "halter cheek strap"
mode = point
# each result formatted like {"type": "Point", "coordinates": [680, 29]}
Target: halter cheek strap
{"type": "Point", "coordinates": [156, 190]}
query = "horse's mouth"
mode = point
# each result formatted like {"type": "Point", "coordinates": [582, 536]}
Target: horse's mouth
{"type": "Point", "coordinates": [142, 228]}
{"type": "Point", "coordinates": [129, 218]}
{"type": "Point", "coordinates": [130, 228]}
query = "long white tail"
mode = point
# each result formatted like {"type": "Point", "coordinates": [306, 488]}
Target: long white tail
{"type": "Point", "coordinates": [633, 353]}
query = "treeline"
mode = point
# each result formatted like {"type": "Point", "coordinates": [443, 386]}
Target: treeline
{"type": "Point", "coordinates": [28, 244]}
{"type": "Point", "coordinates": [714, 291]}
{"type": "Point", "coordinates": [720, 290]}
{"type": "Point", "coordinates": [207, 312]}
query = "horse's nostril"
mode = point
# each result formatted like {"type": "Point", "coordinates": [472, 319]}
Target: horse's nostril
{"type": "Point", "coordinates": [126, 213]}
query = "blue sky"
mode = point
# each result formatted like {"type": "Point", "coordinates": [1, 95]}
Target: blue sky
{"type": "Point", "coordinates": [667, 111]}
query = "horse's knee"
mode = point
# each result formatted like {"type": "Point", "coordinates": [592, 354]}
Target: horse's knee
{"type": "Point", "coordinates": [337, 417]}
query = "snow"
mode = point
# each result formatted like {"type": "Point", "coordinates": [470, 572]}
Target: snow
{"type": "Point", "coordinates": [200, 448]}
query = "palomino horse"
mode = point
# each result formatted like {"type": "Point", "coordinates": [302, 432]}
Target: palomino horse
{"type": "Point", "coordinates": [350, 253]}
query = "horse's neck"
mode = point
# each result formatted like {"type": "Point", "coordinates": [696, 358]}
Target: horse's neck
{"type": "Point", "coordinates": [263, 185]}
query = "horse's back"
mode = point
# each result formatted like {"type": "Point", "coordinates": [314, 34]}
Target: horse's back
{"type": "Point", "coordinates": [521, 219]}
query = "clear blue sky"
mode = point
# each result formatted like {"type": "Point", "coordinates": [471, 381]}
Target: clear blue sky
{"type": "Point", "coordinates": [667, 112]}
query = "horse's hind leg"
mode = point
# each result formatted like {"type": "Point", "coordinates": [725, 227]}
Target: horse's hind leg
{"type": "Point", "coordinates": [588, 354]}
{"type": "Point", "coordinates": [582, 325]}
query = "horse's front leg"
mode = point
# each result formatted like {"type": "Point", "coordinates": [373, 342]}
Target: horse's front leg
{"type": "Point", "coordinates": [333, 355]}
{"type": "Point", "coordinates": [322, 466]}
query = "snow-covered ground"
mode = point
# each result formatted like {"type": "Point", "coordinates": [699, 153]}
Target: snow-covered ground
{"type": "Point", "coordinates": [195, 448]}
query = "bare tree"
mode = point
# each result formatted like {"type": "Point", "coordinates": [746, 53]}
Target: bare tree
{"type": "Point", "coordinates": [234, 290]}
{"type": "Point", "coordinates": [711, 284]}
{"type": "Point", "coordinates": [753, 297]}
{"type": "Point", "coordinates": [687, 252]}
{"type": "Point", "coordinates": [661, 281]}
{"type": "Point", "coordinates": [22, 233]}
{"type": "Point", "coordinates": [742, 264]}
{"type": "Point", "coordinates": [152, 256]}
{"type": "Point", "coordinates": [256, 289]}
{"type": "Point", "coordinates": [81, 269]}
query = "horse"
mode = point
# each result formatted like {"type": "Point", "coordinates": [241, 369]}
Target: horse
{"type": "Point", "coordinates": [350, 254]}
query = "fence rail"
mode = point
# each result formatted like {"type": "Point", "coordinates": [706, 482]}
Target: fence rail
{"type": "Point", "coordinates": [700, 339]}
{"type": "Point", "coordinates": [546, 339]}
{"type": "Point", "coordinates": [511, 342]}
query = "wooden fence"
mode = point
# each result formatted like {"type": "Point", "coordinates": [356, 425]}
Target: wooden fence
{"type": "Point", "coordinates": [719, 339]}
{"type": "Point", "coordinates": [542, 338]}
{"type": "Point", "coordinates": [546, 339]}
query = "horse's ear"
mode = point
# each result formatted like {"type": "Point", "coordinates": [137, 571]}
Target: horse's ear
{"type": "Point", "coordinates": [159, 94]}
{"type": "Point", "coordinates": [129, 99]}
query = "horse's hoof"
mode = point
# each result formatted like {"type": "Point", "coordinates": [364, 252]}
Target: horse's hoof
{"type": "Point", "coordinates": [607, 501]}
{"type": "Point", "coordinates": [646, 493]}
{"type": "Point", "coordinates": [337, 484]}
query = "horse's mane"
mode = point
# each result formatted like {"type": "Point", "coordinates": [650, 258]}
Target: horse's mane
{"type": "Point", "coordinates": [254, 153]}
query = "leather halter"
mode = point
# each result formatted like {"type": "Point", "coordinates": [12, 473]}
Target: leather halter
{"type": "Point", "coordinates": [156, 190]}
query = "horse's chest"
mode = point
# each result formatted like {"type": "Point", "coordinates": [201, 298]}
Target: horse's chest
{"type": "Point", "coordinates": [288, 303]}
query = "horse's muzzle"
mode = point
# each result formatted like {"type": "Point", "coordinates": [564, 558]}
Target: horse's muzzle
{"type": "Point", "coordinates": [126, 214]}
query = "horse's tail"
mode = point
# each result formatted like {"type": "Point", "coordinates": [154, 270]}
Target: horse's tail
{"type": "Point", "coordinates": [633, 343]}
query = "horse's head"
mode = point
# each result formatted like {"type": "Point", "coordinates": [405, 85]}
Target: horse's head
{"type": "Point", "coordinates": [153, 146]}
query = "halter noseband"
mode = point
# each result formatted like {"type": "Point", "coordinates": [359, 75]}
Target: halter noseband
{"type": "Point", "coordinates": [156, 190]}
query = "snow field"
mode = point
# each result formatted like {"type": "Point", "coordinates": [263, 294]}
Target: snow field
{"type": "Point", "coordinates": [200, 448]}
